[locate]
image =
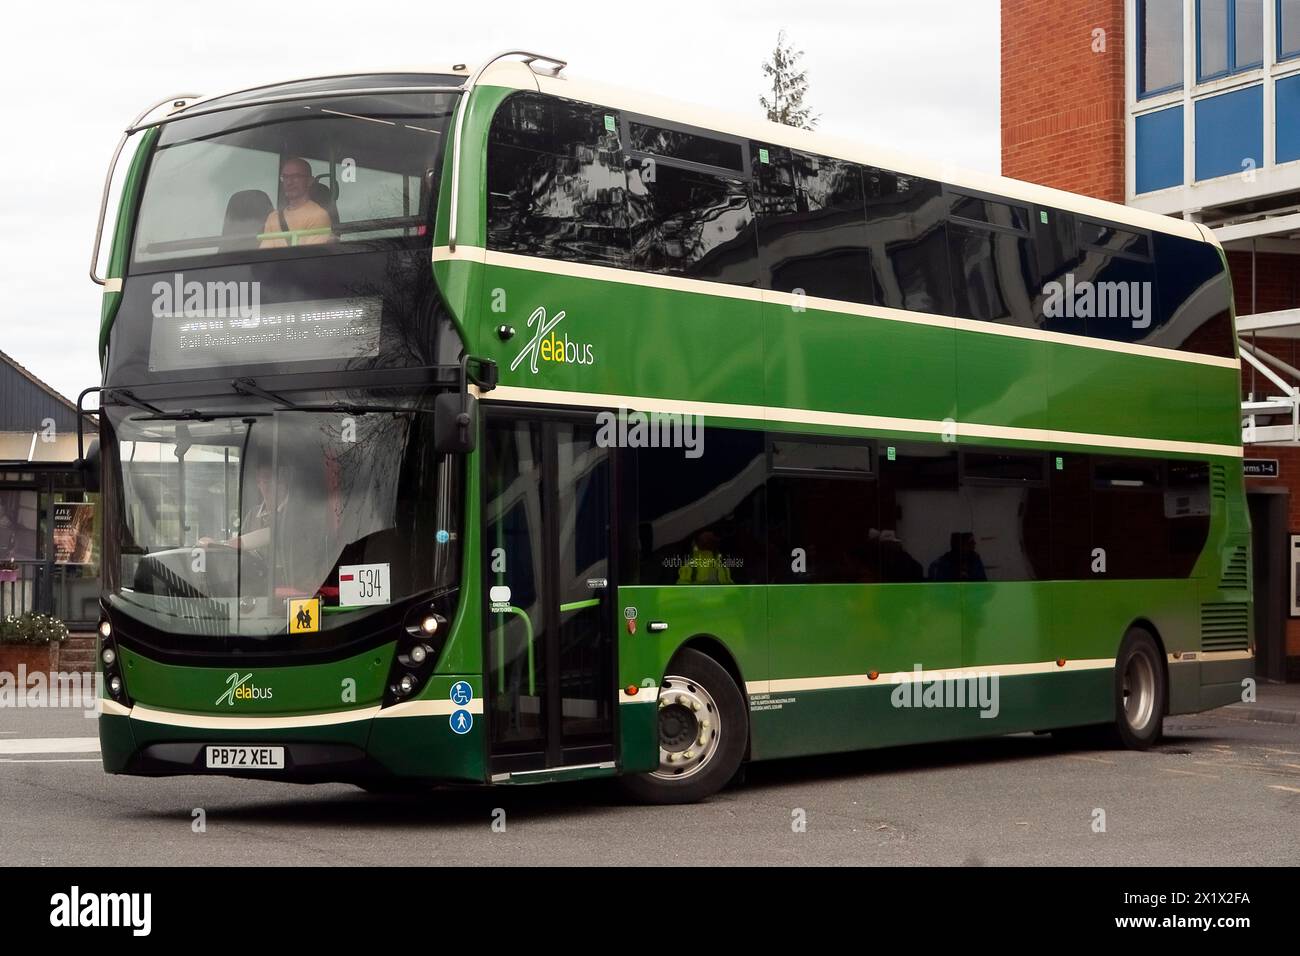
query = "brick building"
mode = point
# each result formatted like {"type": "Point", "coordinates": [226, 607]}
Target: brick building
{"type": "Point", "coordinates": [1190, 108]}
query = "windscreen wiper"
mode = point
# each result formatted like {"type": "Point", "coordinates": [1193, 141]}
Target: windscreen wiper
{"type": "Point", "coordinates": [128, 398]}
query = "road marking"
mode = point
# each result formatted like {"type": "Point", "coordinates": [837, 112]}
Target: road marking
{"type": "Point", "coordinates": [50, 745]}
{"type": "Point", "coordinates": [1278, 786]}
{"type": "Point", "coordinates": [50, 760]}
{"type": "Point", "coordinates": [1089, 759]}
{"type": "Point", "coordinates": [1192, 773]}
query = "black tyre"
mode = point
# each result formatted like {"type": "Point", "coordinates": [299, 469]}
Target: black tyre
{"type": "Point", "coordinates": [703, 731]}
{"type": "Point", "coordinates": [1140, 691]}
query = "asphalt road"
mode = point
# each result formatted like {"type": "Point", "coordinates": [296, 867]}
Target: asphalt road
{"type": "Point", "coordinates": [1218, 791]}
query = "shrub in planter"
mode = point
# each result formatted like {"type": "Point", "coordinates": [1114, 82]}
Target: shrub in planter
{"type": "Point", "coordinates": [31, 628]}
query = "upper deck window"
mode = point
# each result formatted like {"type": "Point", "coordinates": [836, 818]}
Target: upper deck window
{"type": "Point", "coordinates": [299, 178]}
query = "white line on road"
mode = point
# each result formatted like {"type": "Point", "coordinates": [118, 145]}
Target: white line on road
{"type": "Point", "coordinates": [49, 760]}
{"type": "Point", "coordinates": [1278, 786]}
{"type": "Point", "coordinates": [50, 745]}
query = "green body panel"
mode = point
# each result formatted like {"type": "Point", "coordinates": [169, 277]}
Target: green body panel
{"type": "Point", "coordinates": [426, 746]}
{"type": "Point", "coordinates": [638, 735]}
{"type": "Point", "coordinates": [310, 688]}
{"type": "Point", "coordinates": [116, 742]}
{"type": "Point", "coordinates": [818, 629]}
{"type": "Point", "coordinates": [734, 615]}
{"type": "Point", "coordinates": [859, 718]}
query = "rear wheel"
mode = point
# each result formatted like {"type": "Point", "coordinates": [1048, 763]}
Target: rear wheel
{"type": "Point", "coordinates": [703, 729]}
{"type": "Point", "coordinates": [1139, 691]}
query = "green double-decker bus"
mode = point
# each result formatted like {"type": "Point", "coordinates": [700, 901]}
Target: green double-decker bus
{"type": "Point", "coordinates": [496, 427]}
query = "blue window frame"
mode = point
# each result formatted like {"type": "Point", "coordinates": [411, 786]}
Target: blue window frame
{"type": "Point", "coordinates": [1159, 153]}
{"type": "Point", "coordinates": [1288, 29]}
{"type": "Point", "coordinates": [1159, 46]}
{"type": "Point", "coordinates": [1229, 37]}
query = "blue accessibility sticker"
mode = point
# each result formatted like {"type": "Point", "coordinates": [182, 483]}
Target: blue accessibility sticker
{"type": "Point", "coordinates": [461, 693]}
{"type": "Point", "coordinates": [462, 721]}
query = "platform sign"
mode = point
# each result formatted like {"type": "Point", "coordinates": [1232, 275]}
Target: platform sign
{"type": "Point", "coordinates": [1261, 468]}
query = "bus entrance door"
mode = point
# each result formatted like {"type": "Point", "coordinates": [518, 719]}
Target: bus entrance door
{"type": "Point", "coordinates": [549, 587]}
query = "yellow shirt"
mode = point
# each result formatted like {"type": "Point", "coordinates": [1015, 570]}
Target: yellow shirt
{"type": "Point", "coordinates": [309, 215]}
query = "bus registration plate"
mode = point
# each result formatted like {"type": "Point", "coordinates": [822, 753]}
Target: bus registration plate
{"type": "Point", "coordinates": [245, 758]}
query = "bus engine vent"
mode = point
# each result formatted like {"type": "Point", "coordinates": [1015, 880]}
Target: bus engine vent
{"type": "Point", "coordinates": [1224, 626]}
{"type": "Point", "coordinates": [1218, 481]}
{"type": "Point", "coordinates": [1236, 571]}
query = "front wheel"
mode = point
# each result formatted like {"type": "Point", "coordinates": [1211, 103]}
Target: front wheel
{"type": "Point", "coordinates": [703, 730]}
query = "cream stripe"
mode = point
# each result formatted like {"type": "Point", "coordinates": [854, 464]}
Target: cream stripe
{"type": "Point", "coordinates": [785, 686]}
{"type": "Point", "coordinates": [430, 708]}
{"type": "Point", "coordinates": [644, 695]}
{"type": "Point", "coordinates": [113, 708]}
{"type": "Point", "coordinates": [578, 270]}
{"type": "Point", "coordinates": [807, 416]}
{"type": "Point", "coordinates": [212, 722]}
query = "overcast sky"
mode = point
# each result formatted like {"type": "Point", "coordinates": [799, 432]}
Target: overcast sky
{"type": "Point", "coordinates": [920, 76]}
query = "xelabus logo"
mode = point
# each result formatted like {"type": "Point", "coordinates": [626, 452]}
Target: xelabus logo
{"type": "Point", "coordinates": [74, 908]}
{"type": "Point", "coordinates": [546, 346]}
{"type": "Point", "coordinates": [242, 688]}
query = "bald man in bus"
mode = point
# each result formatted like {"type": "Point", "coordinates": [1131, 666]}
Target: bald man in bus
{"type": "Point", "coordinates": [300, 213]}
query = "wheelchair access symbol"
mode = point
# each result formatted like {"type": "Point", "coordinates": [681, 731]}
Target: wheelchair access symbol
{"type": "Point", "coordinates": [461, 721]}
{"type": "Point", "coordinates": [461, 693]}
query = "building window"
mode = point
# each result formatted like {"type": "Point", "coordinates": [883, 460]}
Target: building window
{"type": "Point", "coordinates": [1160, 46]}
{"type": "Point", "coordinates": [1159, 151]}
{"type": "Point", "coordinates": [1229, 37]}
{"type": "Point", "coordinates": [1288, 29]}
{"type": "Point", "coordinates": [1287, 108]}
{"type": "Point", "coordinates": [1231, 133]}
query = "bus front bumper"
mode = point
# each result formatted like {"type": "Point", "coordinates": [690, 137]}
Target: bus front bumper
{"type": "Point", "coordinates": [410, 744]}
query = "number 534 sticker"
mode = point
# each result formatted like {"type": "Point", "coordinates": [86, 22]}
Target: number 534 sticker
{"type": "Point", "coordinates": [364, 584]}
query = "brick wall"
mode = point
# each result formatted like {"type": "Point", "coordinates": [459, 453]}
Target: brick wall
{"type": "Point", "coordinates": [1063, 103]}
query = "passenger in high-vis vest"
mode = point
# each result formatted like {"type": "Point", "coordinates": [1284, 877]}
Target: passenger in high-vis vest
{"type": "Point", "coordinates": [704, 566]}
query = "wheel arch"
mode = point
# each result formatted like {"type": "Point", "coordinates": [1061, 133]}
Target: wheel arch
{"type": "Point", "coordinates": [713, 646]}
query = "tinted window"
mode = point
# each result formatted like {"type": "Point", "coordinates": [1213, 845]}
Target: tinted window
{"type": "Point", "coordinates": [690, 223]}
{"type": "Point", "coordinates": [1071, 510]}
{"type": "Point", "coordinates": [688, 147]}
{"type": "Point", "coordinates": [812, 231]}
{"type": "Point", "coordinates": [906, 230]}
{"type": "Point", "coordinates": [556, 185]}
{"type": "Point", "coordinates": [1114, 288]}
{"type": "Point", "coordinates": [1009, 503]}
{"type": "Point", "coordinates": [822, 512]}
{"type": "Point", "coordinates": [993, 268]}
{"type": "Point", "coordinates": [1194, 297]}
{"type": "Point", "coordinates": [696, 520]}
{"type": "Point", "coordinates": [1149, 516]}
{"type": "Point", "coordinates": [925, 527]}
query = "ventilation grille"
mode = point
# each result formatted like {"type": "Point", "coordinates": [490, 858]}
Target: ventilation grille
{"type": "Point", "coordinates": [1225, 627]}
{"type": "Point", "coordinates": [1218, 481]}
{"type": "Point", "coordinates": [1236, 572]}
